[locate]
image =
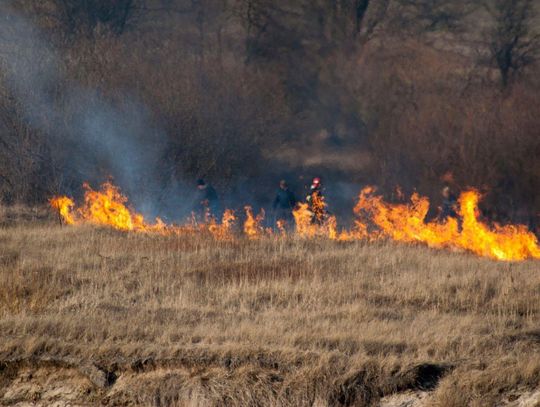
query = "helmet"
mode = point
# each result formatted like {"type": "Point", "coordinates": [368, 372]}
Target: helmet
{"type": "Point", "coordinates": [315, 184]}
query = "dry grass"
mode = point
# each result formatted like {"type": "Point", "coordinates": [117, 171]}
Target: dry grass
{"type": "Point", "coordinates": [94, 316]}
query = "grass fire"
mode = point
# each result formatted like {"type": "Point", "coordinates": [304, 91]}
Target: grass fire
{"type": "Point", "coordinates": [376, 220]}
{"type": "Point", "coordinates": [259, 203]}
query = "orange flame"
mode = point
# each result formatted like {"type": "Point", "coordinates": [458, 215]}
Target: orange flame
{"type": "Point", "coordinates": [315, 222]}
{"type": "Point", "coordinates": [376, 219]}
{"type": "Point", "coordinates": [318, 207]}
{"type": "Point", "coordinates": [108, 208]}
{"type": "Point", "coordinates": [64, 206]}
{"type": "Point", "coordinates": [223, 230]}
{"type": "Point", "coordinates": [407, 223]}
{"type": "Point", "coordinates": [510, 242]}
{"type": "Point", "coordinates": [252, 224]}
{"type": "Point", "coordinates": [303, 219]}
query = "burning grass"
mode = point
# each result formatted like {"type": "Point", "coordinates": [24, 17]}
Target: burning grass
{"type": "Point", "coordinates": [376, 220]}
{"type": "Point", "coordinates": [94, 315]}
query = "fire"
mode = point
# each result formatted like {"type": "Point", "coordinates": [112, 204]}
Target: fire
{"type": "Point", "coordinates": [375, 219]}
{"type": "Point", "coordinates": [252, 224]}
{"type": "Point", "coordinates": [509, 242]}
{"type": "Point", "coordinates": [64, 205]}
{"type": "Point", "coordinates": [318, 208]}
{"type": "Point", "coordinates": [303, 219]}
{"type": "Point", "coordinates": [404, 222]}
{"type": "Point", "coordinates": [106, 207]}
{"type": "Point", "coordinates": [223, 230]}
{"type": "Point", "coordinates": [315, 222]}
{"type": "Point", "coordinates": [407, 223]}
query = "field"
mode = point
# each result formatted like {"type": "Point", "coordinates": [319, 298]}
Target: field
{"type": "Point", "coordinates": [94, 316]}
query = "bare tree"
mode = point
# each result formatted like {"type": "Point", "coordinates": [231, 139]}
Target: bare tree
{"type": "Point", "coordinates": [511, 43]}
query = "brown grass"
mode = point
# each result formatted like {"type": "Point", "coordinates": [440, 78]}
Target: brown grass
{"type": "Point", "coordinates": [95, 316]}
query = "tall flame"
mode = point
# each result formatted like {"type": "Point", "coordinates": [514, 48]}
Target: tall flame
{"type": "Point", "coordinates": [375, 219]}
{"type": "Point", "coordinates": [106, 207]}
{"type": "Point", "coordinates": [64, 206]}
{"type": "Point", "coordinates": [223, 230]}
{"type": "Point", "coordinates": [509, 242]}
{"type": "Point", "coordinates": [318, 207]}
{"type": "Point", "coordinates": [407, 223]}
{"type": "Point", "coordinates": [303, 219]}
{"type": "Point", "coordinates": [252, 224]}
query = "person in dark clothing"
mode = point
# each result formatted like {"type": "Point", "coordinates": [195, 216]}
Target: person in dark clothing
{"type": "Point", "coordinates": [449, 205]}
{"type": "Point", "coordinates": [284, 203]}
{"type": "Point", "coordinates": [206, 201]}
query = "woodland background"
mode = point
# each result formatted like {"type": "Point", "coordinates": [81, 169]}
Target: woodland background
{"type": "Point", "coordinates": [157, 93]}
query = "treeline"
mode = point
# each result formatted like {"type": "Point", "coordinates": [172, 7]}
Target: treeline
{"type": "Point", "coordinates": [243, 92]}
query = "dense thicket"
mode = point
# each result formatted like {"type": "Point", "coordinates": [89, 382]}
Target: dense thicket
{"type": "Point", "coordinates": [159, 92]}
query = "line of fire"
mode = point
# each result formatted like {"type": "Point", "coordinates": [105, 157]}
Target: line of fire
{"type": "Point", "coordinates": [375, 219]}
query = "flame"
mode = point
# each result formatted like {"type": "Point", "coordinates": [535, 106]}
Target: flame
{"type": "Point", "coordinates": [252, 224]}
{"type": "Point", "coordinates": [404, 222]}
{"type": "Point", "coordinates": [375, 219]}
{"type": "Point", "coordinates": [310, 218]}
{"type": "Point", "coordinates": [107, 207]}
{"type": "Point", "coordinates": [407, 223]}
{"type": "Point", "coordinates": [318, 207]}
{"type": "Point", "coordinates": [223, 230]}
{"type": "Point", "coordinates": [509, 242]}
{"type": "Point", "coordinates": [64, 205]}
{"type": "Point", "coordinates": [314, 222]}
{"type": "Point", "coordinates": [303, 220]}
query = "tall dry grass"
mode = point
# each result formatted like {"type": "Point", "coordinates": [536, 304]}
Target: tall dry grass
{"type": "Point", "coordinates": [94, 316]}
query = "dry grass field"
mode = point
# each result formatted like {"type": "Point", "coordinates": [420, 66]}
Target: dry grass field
{"type": "Point", "coordinates": [93, 316]}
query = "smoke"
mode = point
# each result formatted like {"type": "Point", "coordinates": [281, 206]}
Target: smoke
{"type": "Point", "coordinates": [122, 140]}
{"type": "Point", "coordinates": [119, 138]}
{"type": "Point", "coordinates": [30, 67]}
{"type": "Point", "coordinates": [103, 139]}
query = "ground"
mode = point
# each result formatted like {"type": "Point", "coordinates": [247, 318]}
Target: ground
{"type": "Point", "coordinates": [94, 316]}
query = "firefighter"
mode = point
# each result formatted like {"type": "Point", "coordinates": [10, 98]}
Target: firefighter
{"type": "Point", "coordinates": [284, 204]}
{"type": "Point", "coordinates": [449, 204]}
{"type": "Point", "coordinates": [315, 201]}
{"type": "Point", "coordinates": [207, 202]}
{"type": "Point", "coordinates": [315, 188]}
